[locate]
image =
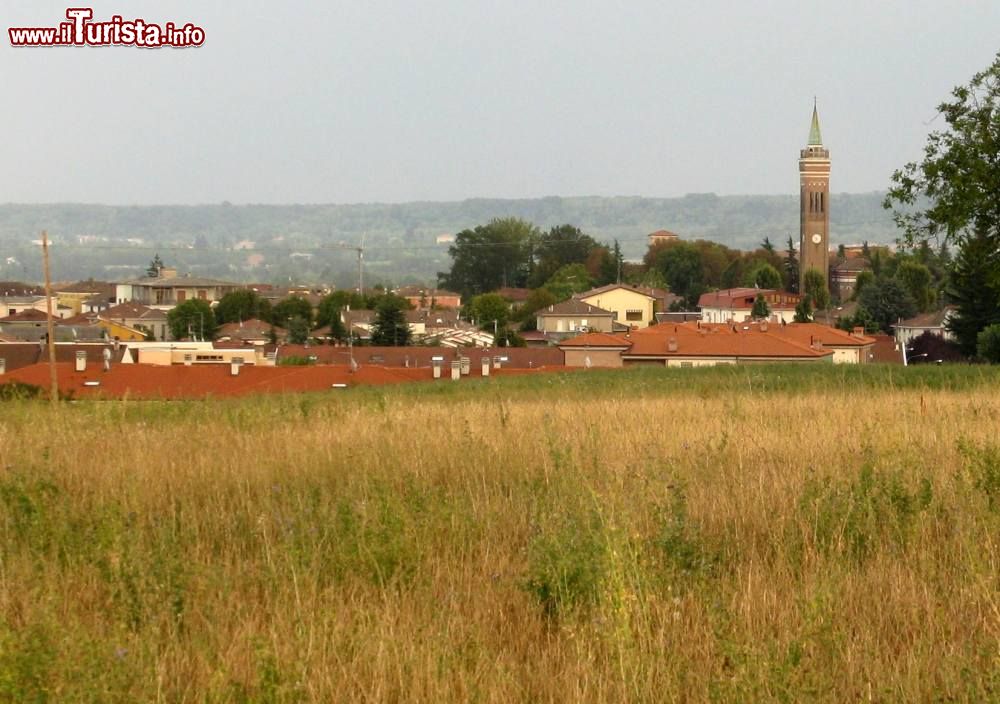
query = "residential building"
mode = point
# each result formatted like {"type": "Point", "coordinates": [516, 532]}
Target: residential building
{"type": "Point", "coordinates": [573, 317]}
{"type": "Point", "coordinates": [699, 344]}
{"type": "Point", "coordinates": [168, 289]}
{"type": "Point", "coordinates": [90, 293]}
{"type": "Point", "coordinates": [661, 236]}
{"type": "Point", "coordinates": [735, 305]}
{"type": "Point", "coordinates": [14, 305]}
{"type": "Point", "coordinates": [630, 305]}
{"type": "Point", "coordinates": [934, 323]}
{"type": "Point", "coordinates": [428, 298]}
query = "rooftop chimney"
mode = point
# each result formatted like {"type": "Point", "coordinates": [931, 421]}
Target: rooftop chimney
{"type": "Point", "coordinates": [672, 344]}
{"type": "Point", "coordinates": [81, 361]}
{"type": "Point", "coordinates": [456, 371]}
{"type": "Point", "coordinates": [3, 366]}
{"type": "Point", "coordinates": [234, 366]}
{"type": "Point", "coordinates": [485, 361]}
{"type": "Point", "coordinates": [168, 272]}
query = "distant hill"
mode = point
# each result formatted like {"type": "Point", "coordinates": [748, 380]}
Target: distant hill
{"type": "Point", "coordinates": [278, 243]}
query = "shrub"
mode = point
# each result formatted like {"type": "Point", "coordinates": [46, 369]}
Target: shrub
{"type": "Point", "coordinates": [988, 344]}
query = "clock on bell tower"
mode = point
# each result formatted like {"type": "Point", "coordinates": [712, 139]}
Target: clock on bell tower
{"type": "Point", "coordinates": [814, 204]}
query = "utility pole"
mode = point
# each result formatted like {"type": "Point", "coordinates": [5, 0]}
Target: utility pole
{"type": "Point", "coordinates": [360, 249]}
{"type": "Point", "coordinates": [50, 326]}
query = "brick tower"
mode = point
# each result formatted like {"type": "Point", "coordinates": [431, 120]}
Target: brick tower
{"type": "Point", "coordinates": [814, 203]}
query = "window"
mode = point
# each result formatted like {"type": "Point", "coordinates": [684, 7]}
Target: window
{"type": "Point", "coordinates": [687, 364]}
{"type": "Point", "coordinates": [202, 294]}
{"type": "Point", "coordinates": [181, 295]}
{"type": "Point", "coordinates": [633, 315]}
{"type": "Point", "coordinates": [583, 323]}
{"type": "Point", "coordinates": [161, 296]}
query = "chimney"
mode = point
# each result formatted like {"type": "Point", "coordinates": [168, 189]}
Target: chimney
{"type": "Point", "coordinates": [466, 365]}
{"type": "Point", "coordinates": [234, 366]}
{"type": "Point", "coordinates": [81, 361]}
{"type": "Point", "coordinates": [188, 359]}
{"type": "Point", "coordinates": [168, 272]}
{"type": "Point", "coordinates": [485, 361]}
{"type": "Point", "coordinates": [672, 344]}
{"type": "Point", "coordinates": [3, 366]}
{"type": "Point", "coordinates": [456, 370]}
{"type": "Point", "coordinates": [436, 363]}
{"type": "Point", "coordinates": [858, 331]}
{"type": "Point", "coordinates": [496, 362]}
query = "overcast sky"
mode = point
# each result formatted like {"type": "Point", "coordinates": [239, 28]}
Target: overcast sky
{"type": "Point", "coordinates": [378, 100]}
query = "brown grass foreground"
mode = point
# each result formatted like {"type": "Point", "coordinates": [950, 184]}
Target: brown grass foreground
{"type": "Point", "coordinates": [683, 546]}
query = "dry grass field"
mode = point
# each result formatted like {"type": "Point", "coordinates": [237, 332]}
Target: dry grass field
{"type": "Point", "coordinates": [703, 535]}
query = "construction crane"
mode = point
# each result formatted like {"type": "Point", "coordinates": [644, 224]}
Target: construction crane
{"type": "Point", "coordinates": [360, 249]}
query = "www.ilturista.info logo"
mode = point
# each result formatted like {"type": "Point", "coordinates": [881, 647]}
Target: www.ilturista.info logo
{"type": "Point", "coordinates": [81, 30]}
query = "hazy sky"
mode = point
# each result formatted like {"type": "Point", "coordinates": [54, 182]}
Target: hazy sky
{"type": "Point", "coordinates": [372, 100]}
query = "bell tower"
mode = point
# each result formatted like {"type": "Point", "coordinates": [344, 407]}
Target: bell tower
{"type": "Point", "coordinates": [814, 203]}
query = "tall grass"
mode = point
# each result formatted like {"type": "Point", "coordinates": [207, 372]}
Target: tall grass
{"type": "Point", "coordinates": [547, 539]}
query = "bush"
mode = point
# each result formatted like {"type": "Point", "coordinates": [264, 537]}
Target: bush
{"type": "Point", "coordinates": [988, 344]}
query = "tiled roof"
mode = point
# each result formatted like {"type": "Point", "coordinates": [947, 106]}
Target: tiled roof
{"type": "Point", "coordinates": [418, 356]}
{"type": "Point", "coordinates": [934, 319]}
{"type": "Point", "coordinates": [514, 295]}
{"type": "Point", "coordinates": [215, 380]}
{"type": "Point", "coordinates": [682, 341]}
{"type": "Point", "coordinates": [573, 307]}
{"type": "Point", "coordinates": [18, 288]}
{"type": "Point", "coordinates": [23, 354]}
{"type": "Point", "coordinates": [612, 287]}
{"type": "Point", "coordinates": [252, 329]}
{"type": "Point", "coordinates": [102, 288]}
{"type": "Point", "coordinates": [29, 315]}
{"type": "Point", "coordinates": [133, 311]}
{"type": "Point", "coordinates": [597, 339]}
{"type": "Point", "coordinates": [180, 282]}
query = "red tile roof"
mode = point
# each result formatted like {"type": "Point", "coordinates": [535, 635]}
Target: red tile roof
{"type": "Point", "coordinates": [216, 380]}
{"type": "Point", "coordinates": [597, 339]}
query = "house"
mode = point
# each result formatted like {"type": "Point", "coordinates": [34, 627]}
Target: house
{"type": "Point", "coordinates": [424, 298]}
{"type": "Point", "coordinates": [844, 276]}
{"type": "Point", "coordinates": [934, 323]}
{"type": "Point", "coordinates": [14, 305]}
{"type": "Point", "coordinates": [700, 344]}
{"type": "Point", "coordinates": [168, 289]}
{"type": "Point", "coordinates": [251, 331]}
{"type": "Point", "coordinates": [572, 317]}
{"type": "Point", "coordinates": [662, 236]}
{"type": "Point", "coordinates": [16, 355]}
{"type": "Point", "coordinates": [630, 305]}
{"type": "Point", "coordinates": [86, 295]}
{"type": "Point", "coordinates": [514, 296]}
{"type": "Point", "coordinates": [136, 316]}
{"type": "Point", "coordinates": [734, 305]}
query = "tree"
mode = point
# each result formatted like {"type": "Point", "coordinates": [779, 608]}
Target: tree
{"type": "Point", "coordinates": [153, 270]}
{"type": "Point", "coordinates": [242, 304]}
{"type": "Point", "coordinates": [298, 330]}
{"type": "Point", "coordinates": [390, 328]}
{"type": "Point", "coordinates": [952, 191]}
{"type": "Point", "coordinates": [974, 288]}
{"type": "Point", "coordinates": [557, 248]}
{"type": "Point", "coordinates": [814, 286]}
{"type": "Point", "coordinates": [767, 245]}
{"type": "Point", "coordinates": [988, 344]}
{"type": "Point", "coordinates": [760, 308]}
{"type": "Point", "coordinates": [680, 264]}
{"type": "Point", "coordinates": [487, 308]}
{"type": "Point", "coordinates": [861, 319]}
{"type": "Point", "coordinates": [864, 279]}
{"type": "Point", "coordinates": [887, 301]}
{"type": "Point", "coordinates": [570, 279]}
{"type": "Point", "coordinates": [193, 318]}
{"type": "Point", "coordinates": [328, 313]}
{"type": "Point", "coordinates": [537, 299]}
{"type": "Point", "coordinates": [803, 311]}
{"type": "Point", "coordinates": [791, 268]}
{"type": "Point", "coordinates": [918, 282]}
{"type": "Point", "coordinates": [611, 266]}
{"type": "Point", "coordinates": [951, 196]}
{"type": "Point", "coordinates": [930, 347]}
{"type": "Point", "coordinates": [490, 256]}
{"type": "Point", "coordinates": [764, 276]}
{"type": "Point", "coordinates": [292, 307]}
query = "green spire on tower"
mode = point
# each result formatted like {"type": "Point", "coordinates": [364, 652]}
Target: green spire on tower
{"type": "Point", "coordinates": [815, 139]}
